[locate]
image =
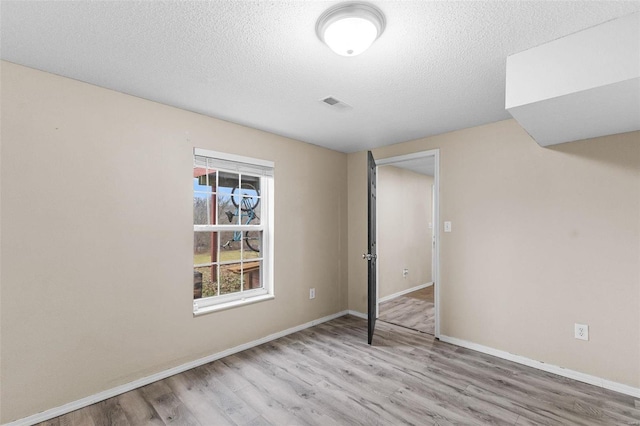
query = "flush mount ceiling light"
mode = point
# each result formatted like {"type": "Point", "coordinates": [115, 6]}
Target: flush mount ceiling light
{"type": "Point", "coordinates": [350, 28]}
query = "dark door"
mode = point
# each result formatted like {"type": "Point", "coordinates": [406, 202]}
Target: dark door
{"type": "Point", "coordinates": [371, 256]}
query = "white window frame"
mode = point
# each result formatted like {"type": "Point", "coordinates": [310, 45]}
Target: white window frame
{"type": "Point", "coordinates": [264, 170]}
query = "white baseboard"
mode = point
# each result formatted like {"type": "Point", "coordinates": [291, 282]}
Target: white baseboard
{"type": "Point", "coordinates": [109, 393]}
{"type": "Point", "coordinates": [560, 371]}
{"type": "Point", "coordinates": [403, 292]}
{"type": "Point", "coordinates": [357, 314]}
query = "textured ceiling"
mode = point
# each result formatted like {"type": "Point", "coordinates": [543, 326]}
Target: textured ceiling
{"type": "Point", "coordinates": [439, 66]}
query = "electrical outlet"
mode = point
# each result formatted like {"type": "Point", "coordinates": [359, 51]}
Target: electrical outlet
{"type": "Point", "coordinates": [405, 272]}
{"type": "Point", "coordinates": [447, 227]}
{"type": "Point", "coordinates": [582, 331]}
{"type": "Point", "coordinates": [312, 293]}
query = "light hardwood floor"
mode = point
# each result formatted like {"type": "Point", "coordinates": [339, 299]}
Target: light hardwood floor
{"type": "Point", "coordinates": [414, 310]}
{"type": "Point", "coordinates": [328, 375]}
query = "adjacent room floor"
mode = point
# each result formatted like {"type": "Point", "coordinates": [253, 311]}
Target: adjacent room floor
{"type": "Point", "coordinates": [328, 375]}
{"type": "Point", "coordinates": [415, 310]}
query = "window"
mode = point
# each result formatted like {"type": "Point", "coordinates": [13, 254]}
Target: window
{"type": "Point", "coordinates": [232, 230]}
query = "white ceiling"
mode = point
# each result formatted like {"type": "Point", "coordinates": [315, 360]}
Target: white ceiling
{"type": "Point", "coordinates": [438, 67]}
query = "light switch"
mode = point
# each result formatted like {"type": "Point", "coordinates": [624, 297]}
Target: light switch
{"type": "Point", "coordinates": [447, 227]}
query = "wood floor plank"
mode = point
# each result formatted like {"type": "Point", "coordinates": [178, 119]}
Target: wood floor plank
{"type": "Point", "coordinates": [52, 422]}
{"type": "Point", "coordinates": [80, 417]}
{"type": "Point", "coordinates": [230, 378]}
{"type": "Point", "coordinates": [137, 410]}
{"type": "Point", "coordinates": [271, 408]}
{"type": "Point", "coordinates": [234, 407]}
{"type": "Point", "coordinates": [415, 310]}
{"type": "Point", "coordinates": [231, 374]}
{"type": "Point", "coordinates": [346, 366]}
{"type": "Point", "coordinates": [303, 394]}
{"type": "Point", "coordinates": [365, 396]}
{"type": "Point", "coordinates": [339, 382]}
{"type": "Point", "coordinates": [168, 406]}
{"type": "Point", "coordinates": [579, 398]}
{"type": "Point", "coordinates": [259, 421]}
{"type": "Point", "coordinates": [328, 375]}
{"type": "Point", "coordinates": [443, 394]}
{"type": "Point", "coordinates": [108, 413]}
{"type": "Point", "coordinates": [290, 397]}
{"type": "Point", "coordinates": [606, 399]}
{"type": "Point", "coordinates": [438, 365]}
{"type": "Point", "coordinates": [192, 389]}
{"type": "Point", "coordinates": [335, 380]}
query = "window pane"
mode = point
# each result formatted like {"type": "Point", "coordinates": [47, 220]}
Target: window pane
{"type": "Point", "coordinates": [204, 247]}
{"type": "Point", "coordinates": [249, 217]}
{"type": "Point", "coordinates": [230, 242]}
{"type": "Point", "coordinates": [247, 196]}
{"type": "Point", "coordinates": [204, 282]}
{"type": "Point", "coordinates": [230, 278]}
{"type": "Point", "coordinates": [228, 181]}
{"type": "Point", "coordinates": [227, 212]}
{"type": "Point", "coordinates": [204, 180]}
{"type": "Point", "coordinates": [252, 244]}
{"type": "Point", "coordinates": [251, 207]}
{"type": "Point", "coordinates": [250, 186]}
{"type": "Point", "coordinates": [202, 208]}
{"type": "Point", "coordinates": [252, 272]}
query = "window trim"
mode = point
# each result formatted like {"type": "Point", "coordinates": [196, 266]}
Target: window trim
{"type": "Point", "coordinates": [265, 170]}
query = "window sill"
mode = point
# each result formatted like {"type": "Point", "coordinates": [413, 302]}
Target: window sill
{"type": "Point", "coordinates": [232, 304]}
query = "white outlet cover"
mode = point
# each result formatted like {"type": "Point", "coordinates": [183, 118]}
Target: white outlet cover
{"type": "Point", "coordinates": [447, 227]}
{"type": "Point", "coordinates": [581, 331]}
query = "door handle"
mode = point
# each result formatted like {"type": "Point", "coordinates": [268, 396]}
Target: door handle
{"type": "Point", "coordinates": [368, 256]}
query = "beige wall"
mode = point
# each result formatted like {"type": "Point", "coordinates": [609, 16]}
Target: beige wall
{"type": "Point", "coordinates": [97, 239]}
{"type": "Point", "coordinates": [542, 238]}
{"type": "Point", "coordinates": [404, 239]}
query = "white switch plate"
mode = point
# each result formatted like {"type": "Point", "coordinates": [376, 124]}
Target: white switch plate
{"type": "Point", "coordinates": [582, 331]}
{"type": "Point", "coordinates": [312, 293]}
{"type": "Point", "coordinates": [447, 227]}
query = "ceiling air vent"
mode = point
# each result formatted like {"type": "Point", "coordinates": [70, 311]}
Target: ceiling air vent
{"type": "Point", "coordinates": [335, 103]}
{"type": "Point", "coordinates": [330, 101]}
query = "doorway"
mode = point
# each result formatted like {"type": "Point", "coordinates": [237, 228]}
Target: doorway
{"type": "Point", "coordinates": [408, 287]}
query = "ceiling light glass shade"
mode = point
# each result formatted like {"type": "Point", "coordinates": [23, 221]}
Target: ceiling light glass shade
{"type": "Point", "coordinates": [350, 28]}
